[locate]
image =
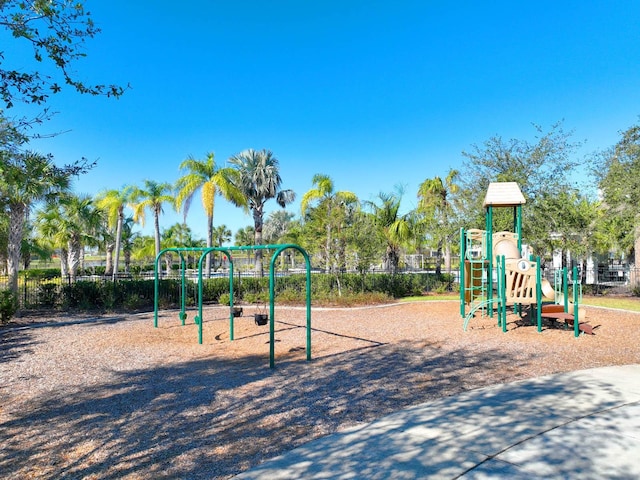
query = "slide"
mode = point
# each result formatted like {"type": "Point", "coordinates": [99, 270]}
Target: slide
{"type": "Point", "coordinates": [548, 293]}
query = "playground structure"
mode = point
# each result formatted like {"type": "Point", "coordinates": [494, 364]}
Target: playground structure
{"type": "Point", "coordinates": [495, 275]}
{"type": "Point", "coordinates": [233, 312]}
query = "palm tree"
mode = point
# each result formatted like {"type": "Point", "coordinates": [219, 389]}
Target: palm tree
{"type": "Point", "coordinates": [436, 201]}
{"type": "Point", "coordinates": [142, 249]}
{"type": "Point", "coordinates": [82, 223]}
{"type": "Point", "coordinates": [49, 227]}
{"type": "Point", "coordinates": [259, 180]}
{"type": "Point", "coordinates": [128, 240]}
{"type": "Point", "coordinates": [206, 177]}
{"type": "Point", "coordinates": [112, 202]}
{"type": "Point", "coordinates": [221, 235]}
{"type": "Point", "coordinates": [245, 237]}
{"type": "Point", "coordinates": [25, 179]}
{"type": "Point", "coordinates": [153, 195]}
{"type": "Point", "coordinates": [69, 225]}
{"type": "Point", "coordinates": [395, 228]}
{"type": "Point", "coordinates": [334, 206]}
{"type": "Point", "coordinates": [180, 235]}
{"type": "Point", "coordinates": [276, 225]}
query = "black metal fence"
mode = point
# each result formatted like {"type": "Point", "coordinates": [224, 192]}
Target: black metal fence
{"type": "Point", "coordinates": [42, 293]}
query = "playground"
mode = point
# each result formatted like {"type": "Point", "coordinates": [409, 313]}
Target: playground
{"type": "Point", "coordinates": [114, 397]}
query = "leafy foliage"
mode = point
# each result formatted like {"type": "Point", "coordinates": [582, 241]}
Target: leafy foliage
{"type": "Point", "coordinates": [8, 305]}
{"type": "Point", "coordinates": [439, 208]}
{"type": "Point", "coordinates": [394, 227]}
{"type": "Point", "coordinates": [56, 31]}
{"type": "Point", "coordinates": [258, 178]}
{"type": "Point", "coordinates": [619, 181]}
{"type": "Point", "coordinates": [542, 168]}
{"type": "Point", "coordinates": [205, 177]}
{"type": "Point", "coordinates": [329, 215]}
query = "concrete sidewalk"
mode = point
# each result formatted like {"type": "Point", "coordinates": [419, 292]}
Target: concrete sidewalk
{"type": "Point", "coordinates": [580, 425]}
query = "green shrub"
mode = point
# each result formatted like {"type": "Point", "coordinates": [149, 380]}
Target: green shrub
{"type": "Point", "coordinates": [48, 294]}
{"type": "Point", "coordinates": [133, 302]}
{"type": "Point", "coordinates": [83, 295]}
{"type": "Point", "coordinates": [291, 296]}
{"type": "Point", "coordinates": [41, 273]}
{"type": "Point", "coordinates": [8, 305]}
{"type": "Point", "coordinates": [256, 297]}
{"type": "Point", "coordinates": [224, 299]}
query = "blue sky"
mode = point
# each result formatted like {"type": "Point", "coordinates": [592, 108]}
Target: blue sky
{"type": "Point", "coordinates": [375, 94]}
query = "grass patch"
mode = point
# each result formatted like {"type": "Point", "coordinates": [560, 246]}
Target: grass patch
{"type": "Point", "coordinates": [429, 298]}
{"type": "Point", "coordinates": [622, 303]}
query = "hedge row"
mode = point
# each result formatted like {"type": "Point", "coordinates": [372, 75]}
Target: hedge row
{"type": "Point", "coordinates": [139, 294]}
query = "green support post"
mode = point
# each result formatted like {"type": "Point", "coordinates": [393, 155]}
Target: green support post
{"type": "Point", "coordinates": [489, 254]}
{"type": "Point", "coordinates": [463, 254]}
{"type": "Point", "coordinates": [576, 317]}
{"type": "Point", "coordinates": [183, 300]}
{"type": "Point", "coordinates": [205, 252]}
{"type": "Point", "coordinates": [538, 295]}
{"type": "Point", "coordinates": [502, 293]}
{"type": "Point", "coordinates": [565, 289]}
{"type": "Point", "coordinates": [272, 282]}
{"type": "Point", "coordinates": [156, 286]}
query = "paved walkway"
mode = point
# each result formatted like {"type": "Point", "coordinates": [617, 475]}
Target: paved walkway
{"type": "Point", "coordinates": [578, 425]}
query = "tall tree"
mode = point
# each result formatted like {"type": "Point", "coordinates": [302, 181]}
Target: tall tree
{"type": "Point", "coordinates": [206, 177]}
{"type": "Point", "coordinates": [545, 165]}
{"type": "Point", "coordinates": [70, 224]}
{"type": "Point", "coordinates": [221, 236]}
{"type": "Point", "coordinates": [619, 182]}
{"type": "Point", "coordinates": [152, 195]}
{"type": "Point", "coordinates": [113, 203]}
{"type": "Point", "coordinates": [436, 202]}
{"type": "Point", "coordinates": [366, 241]}
{"type": "Point", "coordinates": [245, 237]}
{"type": "Point", "coordinates": [143, 249]}
{"type": "Point", "coordinates": [277, 225]}
{"type": "Point", "coordinates": [575, 230]}
{"type": "Point", "coordinates": [394, 227]}
{"type": "Point", "coordinates": [82, 221]}
{"type": "Point", "coordinates": [128, 239]}
{"type": "Point", "coordinates": [25, 179]}
{"type": "Point", "coordinates": [258, 178]}
{"type": "Point", "coordinates": [335, 207]}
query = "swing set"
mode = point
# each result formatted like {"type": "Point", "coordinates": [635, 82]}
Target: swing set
{"type": "Point", "coordinates": [204, 251]}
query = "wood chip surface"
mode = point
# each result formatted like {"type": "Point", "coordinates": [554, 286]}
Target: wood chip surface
{"type": "Point", "coordinates": [114, 397]}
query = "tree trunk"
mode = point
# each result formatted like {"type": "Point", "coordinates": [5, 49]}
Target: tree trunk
{"type": "Point", "coordinates": [127, 260]}
{"type": "Point", "coordinates": [156, 224]}
{"type": "Point", "coordinates": [328, 247]}
{"type": "Point", "coordinates": [74, 254]}
{"type": "Point", "coordinates": [439, 259]}
{"type": "Point", "coordinates": [342, 255]}
{"type": "Point", "coordinates": [634, 273]}
{"type": "Point", "coordinates": [108, 268]}
{"type": "Point", "coordinates": [207, 265]}
{"type": "Point", "coordinates": [447, 257]}
{"type": "Point", "coordinates": [258, 222]}
{"type": "Point", "coordinates": [116, 260]}
{"type": "Point", "coordinates": [392, 259]}
{"type": "Point", "coordinates": [168, 262]}
{"type": "Point", "coordinates": [64, 263]}
{"type": "Point", "coordinates": [16, 232]}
